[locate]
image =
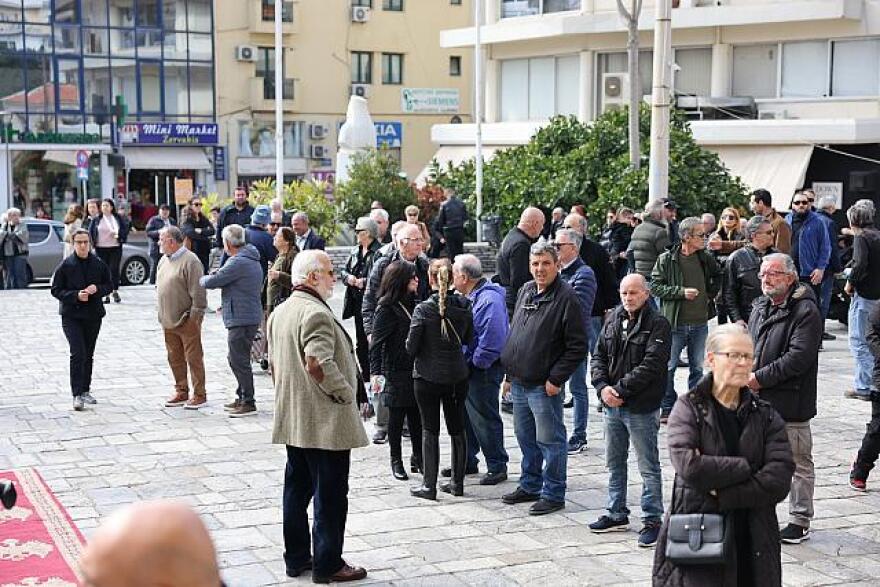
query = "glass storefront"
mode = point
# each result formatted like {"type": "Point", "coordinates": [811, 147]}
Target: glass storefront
{"type": "Point", "coordinates": [45, 183]}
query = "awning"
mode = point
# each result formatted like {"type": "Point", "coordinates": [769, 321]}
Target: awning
{"type": "Point", "coordinates": [165, 158]}
{"type": "Point", "coordinates": [456, 155]}
{"type": "Point", "coordinates": [62, 157]}
{"type": "Point", "coordinates": [780, 169]}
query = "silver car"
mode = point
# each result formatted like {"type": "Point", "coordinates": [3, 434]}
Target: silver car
{"type": "Point", "coordinates": [46, 244]}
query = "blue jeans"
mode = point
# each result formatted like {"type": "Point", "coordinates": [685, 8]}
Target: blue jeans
{"type": "Point", "coordinates": [16, 272]}
{"type": "Point", "coordinates": [593, 329]}
{"type": "Point", "coordinates": [540, 432]}
{"type": "Point", "coordinates": [485, 430]}
{"type": "Point", "coordinates": [827, 288]}
{"type": "Point", "coordinates": [621, 426]}
{"type": "Point", "coordinates": [692, 337]}
{"type": "Point", "coordinates": [577, 386]}
{"type": "Point", "coordinates": [859, 309]}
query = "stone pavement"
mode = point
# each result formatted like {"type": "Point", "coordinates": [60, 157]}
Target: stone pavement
{"type": "Point", "coordinates": [131, 448]}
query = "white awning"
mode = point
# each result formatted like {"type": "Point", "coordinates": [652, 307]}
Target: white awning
{"type": "Point", "coordinates": [165, 158]}
{"type": "Point", "coordinates": [62, 157]}
{"type": "Point", "coordinates": [455, 154]}
{"type": "Point", "coordinates": [780, 169]}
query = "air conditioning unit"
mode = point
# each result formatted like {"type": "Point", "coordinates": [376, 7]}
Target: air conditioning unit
{"type": "Point", "coordinates": [615, 91]}
{"type": "Point", "coordinates": [246, 53]}
{"type": "Point", "coordinates": [317, 131]}
{"type": "Point", "coordinates": [362, 90]}
{"type": "Point", "coordinates": [360, 13]}
{"type": "Point", "coordinates": [318, 152]}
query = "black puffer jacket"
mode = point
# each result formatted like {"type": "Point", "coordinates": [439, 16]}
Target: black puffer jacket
{"type": "Point", "coordinates": [439, 358]}
{"type": "Point", "coordinates": [388, 355]}
{"type": "Point", "coordinates": [787, 339]}
{"type": "Point", "coordinates": [634, 366]}
{"type": "Point", "coordinates": [371, 293]}
{"type": "Point", "coordinates": [742, 286]}
{"type": "Point", "coordinates": [755, 481]}
{"type": "Point", "coordinates": [513, 265]}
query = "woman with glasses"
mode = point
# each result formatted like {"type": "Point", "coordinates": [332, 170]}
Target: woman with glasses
{"type": "Point", "coordinates": [355, 276]}
{"type": "Point", "coordinates": [722, 243]}
{"type": "Point", "coordinates": [412, 217]}
{"type": "Point", "coordinates": [390, 360]}
{"type": "Point", "coordinates": [731, 456]}
{"type": "Point", "coordinates": [198, 230]}
{"type": "Point", "coordinates": [108, 232]}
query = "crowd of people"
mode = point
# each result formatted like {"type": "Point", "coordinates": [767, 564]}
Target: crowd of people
{"type": "Point", "coordinates": [437, 333]}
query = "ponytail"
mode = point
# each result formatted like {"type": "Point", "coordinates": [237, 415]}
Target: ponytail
{"type": "Point", "coordinates": [439, 272]}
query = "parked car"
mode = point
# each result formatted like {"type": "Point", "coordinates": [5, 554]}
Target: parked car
{"type": "Point", "coordinates": [46, 243]}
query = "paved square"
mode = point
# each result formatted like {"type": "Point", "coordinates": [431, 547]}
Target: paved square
{"type": "Point", "coordinates": [130, 448]}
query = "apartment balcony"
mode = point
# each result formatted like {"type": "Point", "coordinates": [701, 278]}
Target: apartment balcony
{"type": "Point", "coordinates": [262, 94]}
{"type": "Point", "coordinates": [262, 18]}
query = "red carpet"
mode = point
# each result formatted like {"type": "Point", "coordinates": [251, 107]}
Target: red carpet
{"type": "Point", "coordinates": [39, 544]}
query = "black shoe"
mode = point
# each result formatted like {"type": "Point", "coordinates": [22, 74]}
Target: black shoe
{"type": "Point", "coordinates": [828, 336]}
{"type": "Point", "coordinates": [507, 407]}
{"type": "Point", "coordinates": [447, 471]}
{"type": "Point", "coordinates": [569, 403]}
{"type": "Point", "coordinates": [424, 492]}
{"type": "Point", "coordinates": [398, 471]}
{"type": "Point", "coordinates": [545, 506]}
{"type": "Point", "coordinates": [415, 464]}
{"type": "Point", "coordinates": [794, 534]}
{"type": "Point", "coordinates": [264, 364]}
{"type": "Point", "coordinates": [495, 478]}
{"type": "Point", "coordinates": [519, 495]}
{"type": "Point", "coordinates": [380, 437]}
{"type": "Point", "coordinates": [116, 297]}
{"type": "Point", "coordinates": [299, 570]}
{"type": "Point", "coordinates": [106, 299]}
{"type": "Point", "coordinates": [452, 488]}
{"type": "Point", "coordinates": [607, 524]}
{"type": "Point", "coordinates": [430, 464]}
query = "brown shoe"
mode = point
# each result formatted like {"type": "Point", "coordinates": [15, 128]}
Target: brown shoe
{"type": "Point", "coordinates": [232, 406]}
{"type": "Point", "coordinates": [243, 410]}
{"type": "Point", "coordinates": [178, 399]}
{"type": "Point", "coordinates": [196, 402]}
{"type": "Point", "coordinates": [346, 573]}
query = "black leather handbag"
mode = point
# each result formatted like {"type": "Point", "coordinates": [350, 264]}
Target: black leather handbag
{"type": "Point", "coordinates": [698, 539]}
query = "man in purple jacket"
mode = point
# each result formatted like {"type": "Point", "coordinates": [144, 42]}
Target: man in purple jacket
{"type": "Point", "coordinates": [485, 430]}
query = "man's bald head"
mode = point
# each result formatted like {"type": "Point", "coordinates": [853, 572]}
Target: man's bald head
{"type": "Point", "coordinates": [531, 221]}
{"type": "Point", "coordinates": [151, 543]}
{"type": "Point", "coordinates": [577, 223]}
{"type": "Point", "coordinates": [634, 292]}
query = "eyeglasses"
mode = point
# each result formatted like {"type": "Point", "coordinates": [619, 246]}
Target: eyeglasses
{"type": "Point", "coordinates": [738, 357]}
{"type": "Point", "coordinates": [357, 230]}
{"type": "Point", "coordinates": [81, 242]}
{"type": "Point", "coordinates": [800, 202]}
{"type": "Point", "coordinates": [414, 239]}
{"type": "Point", "coordinates": [199, 204]}
{"type": "Point", "coordinates": [274, 224]}
{"type": "Point", "coordinates": [558, 246]}
{"type": "Point", "coordinates": [771, 274]}
{"type": "Point", "coordinates": [728, 217]}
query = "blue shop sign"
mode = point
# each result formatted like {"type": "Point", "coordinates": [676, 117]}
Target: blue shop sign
{"type": "Point", "coordinates": [220, 163]}
{"type": "Point", "coordinates": [170, 133]}
{"type": "Point", "coordinates": [389, 135]}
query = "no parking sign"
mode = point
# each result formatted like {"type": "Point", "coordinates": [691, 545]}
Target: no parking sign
{"type": "Point", "coordinates": [82, 165]}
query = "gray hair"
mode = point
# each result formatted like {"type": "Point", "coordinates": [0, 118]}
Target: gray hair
{"type": "Point", "coordinates": [826, 202]}
{"type": "Point", "coordinates": [686, 227]}
{"type": "Point", "coordinates": [15, 211]}
{"type": "Point", "coordinates": [865, 202]}
{"type": "Point", "coordinates": [654, 209]}
{"type": "Point", "coordinates": [559, 210]}
{"type": "Point", "coordinates": [860, 215]}
{"type": "Point", "coordinates": [754, 225]}
{"type": "Point", "coordinates": [174, 233]}
{"type": "Point", "coordinates": [369, 225]}
{"type": "Point", "coordinates": [380, 212]}
{"type": "Point", "coordinates": [577, 219]}
{"type": "Point", "coordinates": [787, 262]}
{"type": "Point", "coordinates": [720, 333]}
{"type": "Point", "coordinates": [544, 248]}
{"type": "Point", "coordinates": [300, 216]}
{"type": "Point", "coordinates": [233, 235]}
{"type": "Point", "coordinates": [304, 264]}
{"type": "Point", "coordinates": [468, 264]}
{"type": "Point", "coordinates": [574, 236]}
{"type": "Point", "coordinates": [624, 212]}
{"type": "Point", "coordinates": [397, 227]}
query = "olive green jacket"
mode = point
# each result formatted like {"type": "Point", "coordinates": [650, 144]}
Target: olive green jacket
{"type": "Point", "coordinates": [667, 282]}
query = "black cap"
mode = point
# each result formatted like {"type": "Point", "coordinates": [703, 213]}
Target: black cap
{"type": "Point", "coordinates": [667, 203]}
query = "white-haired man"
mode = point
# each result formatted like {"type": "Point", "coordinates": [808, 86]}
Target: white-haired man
{"type": "Point", "coordinates": [306, 238]}
{"type": "Point", "coordinates": [381, 218]}
{"type": "Point", "coordinates": [316, 418]}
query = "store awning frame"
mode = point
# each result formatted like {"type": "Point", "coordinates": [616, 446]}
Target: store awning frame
{"type": "Point", "coordinates": [172, 158]}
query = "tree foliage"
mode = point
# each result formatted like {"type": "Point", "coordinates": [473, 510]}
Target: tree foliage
{"type": "Point", "coordinates": [373, 176]}
{"type": "Point", "coordinates": [301, 196]}
{"type": "Point", "coordinates": [568, 162]}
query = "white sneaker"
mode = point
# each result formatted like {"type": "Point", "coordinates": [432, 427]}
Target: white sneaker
{"type": "Point", "coordinates": [87, 398]}
{"type": "Point", "coordinates": [78, 403]}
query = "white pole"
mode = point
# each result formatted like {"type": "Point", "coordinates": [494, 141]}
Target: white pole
{"type": "Point", "coordinates": [279, 107]}
{"type": "Point", "coordinates": [478, 116]}
{"type": "Point", "coordinates": [10, 200]}
{"type": "Point", "coordinates": [658, 173]}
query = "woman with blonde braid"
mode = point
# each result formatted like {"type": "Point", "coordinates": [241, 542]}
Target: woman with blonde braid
{"type": "Point", "coordinates": [441, 326]}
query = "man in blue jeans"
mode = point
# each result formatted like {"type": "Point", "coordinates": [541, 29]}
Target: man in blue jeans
{"type": "Point", "coordinates": [628, 370]}
{"type": "Point", "coordinates": [485, 430]}
{"type": "Point", "coordinates": [686, 278]}
{"type": "Point", "coordinates": [547, 341]}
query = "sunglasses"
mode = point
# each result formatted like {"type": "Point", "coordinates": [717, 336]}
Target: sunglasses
{"type": "Point", "coordinates": [728, 217]}
{"type": "Point", "coordinates": [801, 202]}
{"type": "Point", "coordinates": [197, 204]}
{"type": "Point", "coordinates": [274, 224]}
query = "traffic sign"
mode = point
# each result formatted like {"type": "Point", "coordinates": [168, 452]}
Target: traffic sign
{"type": "Point", "coordinates": [82, 159]}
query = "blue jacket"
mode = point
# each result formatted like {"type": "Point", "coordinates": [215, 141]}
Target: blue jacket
{"type": "Point", "coordinates": [814, 246]}
{"type": "Point", "coordinates": [313, 241]}
{"type": "Point", "coordinates": [262, 240]}
{"type": "Point", "coordinates": [491, 326]}
{"type": "Point", "coordinates": [240, 280]}
{"type": "Point", "coordinates": [834, 264]}
{"type": "Point", "coordinates": [582, 279]}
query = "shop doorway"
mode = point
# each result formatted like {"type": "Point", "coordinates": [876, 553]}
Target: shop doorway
{"type": "Point", "coordinates": [149, 188]}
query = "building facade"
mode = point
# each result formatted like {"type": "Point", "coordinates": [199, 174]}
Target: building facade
{"type": "Point", "coordinates": [385, 50]}
{"type": "Point", "coordinates": [785, 91]}
{"type": "Point", "coordinates": [65, 64]}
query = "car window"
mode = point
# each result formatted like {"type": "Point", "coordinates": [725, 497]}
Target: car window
{"type": "Point", "coordinates": [59, 231]}
{"type": "Point", "coordinates": [37, 233]}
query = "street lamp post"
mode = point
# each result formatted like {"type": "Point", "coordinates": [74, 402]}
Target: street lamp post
{"type": "Point", "coordinates": [478, 116]}
{"type": "Point", "coordinates": [8, 163]}
{"type": "Point", "coordinates": [279, 106]}
{"type": "Point", "coordinates": [658, 172]}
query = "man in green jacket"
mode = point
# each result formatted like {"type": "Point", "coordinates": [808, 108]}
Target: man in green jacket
{"type": "Point", "coordinates": [686, 279]}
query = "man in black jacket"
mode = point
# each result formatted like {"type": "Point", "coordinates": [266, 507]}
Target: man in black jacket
{"type": "Point", "coordinates": [154, 225]}
{"type": "Point", "coordinates": [450, 223]}
{"type": "Point", "coordinates": [513, 256]}
{"type": "Point", "coordinates": [547, 341]}
{"type": "Point", "coordinates": [628, 372]}
{"type": "Point", "coordinates": [742, 285]}
{"type": "Point", "coordinates": [239, 212]}
{"type": "Point", "coordinates": [863, 284]}
{"type": "Point", "coordinates": [787, 329]}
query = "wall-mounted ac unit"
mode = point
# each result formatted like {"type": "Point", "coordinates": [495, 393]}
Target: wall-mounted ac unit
{"type": "Point", "coordinates": [317, 131]}
{"type": "Point", "coordinates": [615, 91]}
{"type": "Point", "coordinates": [360, 13]}
{"type": "Point", "coordinates": [362, 90]}
{"type": "Point", "coordinates": [246, 53]}
{"type": "Point", "coordinates": [318, 152]}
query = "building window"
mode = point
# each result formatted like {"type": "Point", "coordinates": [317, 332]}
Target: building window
{"type": "Point", "coordinates": [538, 88]}
{"type": "Point", "coordinates": [755, 70]}
{"type": "Point", "coordinates": [455, 65]}
{"type": "Point", "coordinates": [392, 68]}
{"type": "Point", "coordinates": [266, 70]}
{"type": "Point", "coordinates": [805, 69]}
{"type": "Point", "coordinates": [694, 76]}
{"type": "Point", "coordinates": [513, 8]}
{"type": "Point", "coordinates": [268, 11]}
{"type": "Point", "coordinates": [395, 5]}
{"type": "Point", "coordinates": [854, 70]}
{"type": "Point", "coordinates": [455, 2]}
{"type": "Point", "coordinates": [361, 67]}
{"type": "Point", "coordinates": [367, 3]}
{"type": "Point", "coordinates": [619, 63]}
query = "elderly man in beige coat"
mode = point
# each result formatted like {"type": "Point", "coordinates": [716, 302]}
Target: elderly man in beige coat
{"type": "Point", "coordinates": [316, 416]}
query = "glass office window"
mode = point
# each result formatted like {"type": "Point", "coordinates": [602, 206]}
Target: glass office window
{"type": "Point", "coordinates": [39, 84]}
{"type": "Point", "coordinates": [93, 12]}
{"type": "Point", "coordinates": [147, 13]}
{"type": "Point", "coordinates": [121, 13]}
{"type": "Point", "coordinates": [124, 81]}
{"type": "Point", "coordinates": [12, 79]}
{"type": "Point", "coordinates": [40, 13]}
{"type": "Point", "coordinates": [199, 15]}
{"type": "Point", "coordinates": [67, 39]}
{"type": "Point", "coordinates": [149, 73]}
{"type": "Point", "coordinates": [361, 67]}
{"type": "Point", "coordinates": [514, 93]}
{"type": "Point", "coordinates": [11, 11]}
{"type": "Point", "coordinates": [66, 11]}
{"type": "Point", "coordinates": [392, 68]}
{"type": "Point", "coordinates": [95, 41]}
{"type": "Point", "coordinates": [174, 45]}
{"type": "Point", "coordinates": [855, 68]}
{"type": "Point", "coordinates": [149, 43]}
{"type": "Point", "coordinates": [805, 69]}
{"type": "Point", "coordinates": [176, 89]}
{"type": "Point", "coordinates": [96, 83]}
{"type": "Point", "coordinates": [694, 78]}
{"type": "Point", "coordinates": [201, 80]}
{"type": "Point", "coordinates": [38, 38]}
{"type": "Point", "coordinates": [568, 85]}
{"type": "Point", "coordinates": [754, 70]}
{"type": "Point", "coordinates": [200, 47]}
{"type": "Point", "coordinates": [69, 84]}
{"type": "Point", "coordinates": [542, 87]}
{"type": "Point", "coordinates": [174, 15]}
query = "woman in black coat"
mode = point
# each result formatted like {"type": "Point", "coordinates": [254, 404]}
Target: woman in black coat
{"type": "Point", "coordinates": [355, 277]}
{"type": "Point", "coordinates": [389, 359]}
{"type": "Point", "coordinates": [441, 326]}
{"type": "Point", "coordinates": [197, 228]}
{"type": "Point", "coordinates": [731, 455]}
{"type": "Point", "coordinates": [79, 283]}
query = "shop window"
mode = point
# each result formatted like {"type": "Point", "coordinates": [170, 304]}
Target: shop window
{"type": "Point", "coordinates": [854, 68]}
{"type": "Point", "coordinates": [805, 69]}
{"type": "Point", "coordinates": [754, 70]}
{"type": "Point", "coordinates": [392, 68]}
{"type": "Point", "coordinates": [361, 67]}
{"type": "Point", "coordinates": [455, 65]}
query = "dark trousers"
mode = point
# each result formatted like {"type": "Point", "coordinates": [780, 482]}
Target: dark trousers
{"type": "Point", "coordinates": [322, 475]}
{"type": "Point", "coordinates": [395, 430]}
{"type": "Point", "coordinates": [239, 340]}
{"type": "Point", "coordinates": [363, 345]}
{"type": "Point", "coordinates": [454, 242]}
{"type": "Point", "coordinates": [870, 449]}
{"type": "Point", "coordinates": [154, 265]}
{"type": "Point", "coordinates": [111, 256]}
{"type": "Point", "coordinates": [82, 335]}
{"type": "Point", "coordinates": [430, 396]}
{"type": "Point", "coordinates": [16, 272]}
{"type": "Point", "coordinates": [485, 430]}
